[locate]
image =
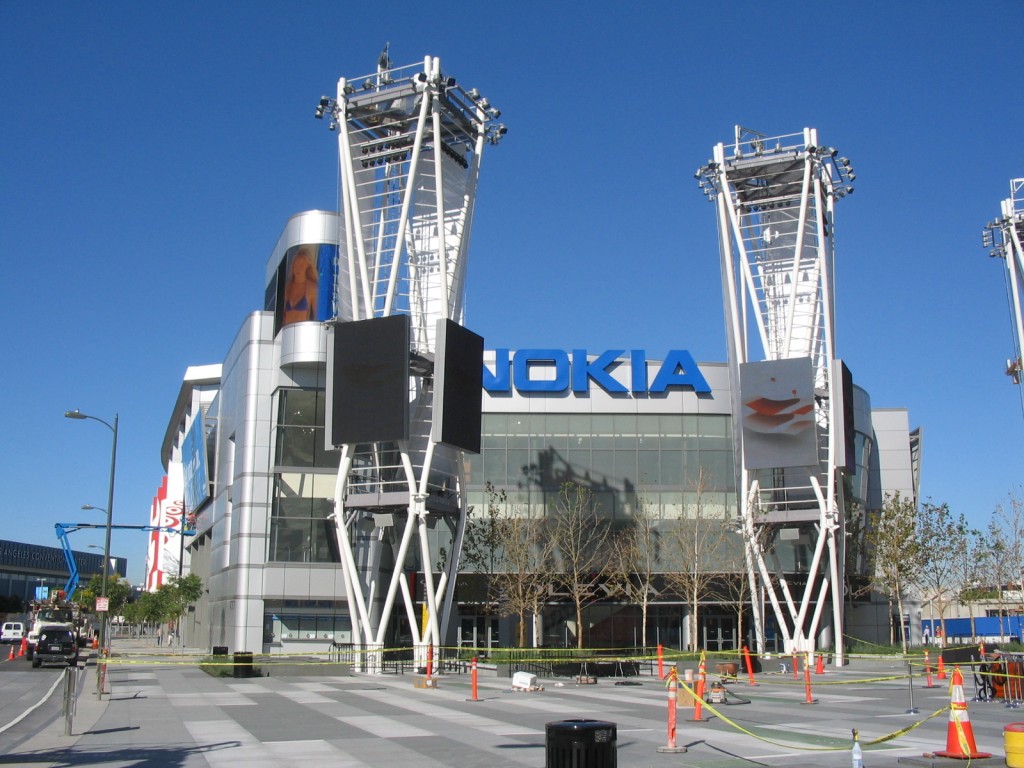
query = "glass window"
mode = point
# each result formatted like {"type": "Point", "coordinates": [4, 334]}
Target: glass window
{"type": "Point", "coordinates": [602, 466]}
{"type": "Point", "coordinates": [518, 424]}
{"type": "Point", "coordinates": [518, 465]}
{"type": "Point", "coordinates": [298, 406]}
{"type": "Point", "coordinates": [625, 432]}
{"type": "Point", "coordinates": [299, 529]}
{"type": "Point", "coordinates": [300, 430]}
{"type": "Point", "coordinates": [648, 468]}
{"type": "Point", "coordinates": [690, 431]}
{"type": "Point", "coordinates": [672, 467]}
{"type": "Point", "coordinates": [717, 468]}
{"type": "Point", "coordinates": [495, 424]}
{"type": "Point", "coordinates": [494, 467]}
{"type": "Point", "coordinates": [714, 432]}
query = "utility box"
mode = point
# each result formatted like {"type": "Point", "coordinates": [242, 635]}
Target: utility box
{"type": "Point", "coordinates": [581, 744]}
{"type": "Point", "coordinates": [524, 680]}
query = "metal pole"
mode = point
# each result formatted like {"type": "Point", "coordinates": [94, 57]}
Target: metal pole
{"type": "Point", "coordinates": [77, 414]}
{"type": "Point", "coordinates": [910, 679]}
{"type": "Point", "coordinates": [106, 543]}
{"type": "Point", "coordinates": [70, 686]}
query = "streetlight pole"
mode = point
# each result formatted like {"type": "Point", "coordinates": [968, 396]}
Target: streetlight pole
{"type": "Point", "coordinates": [77, 414]}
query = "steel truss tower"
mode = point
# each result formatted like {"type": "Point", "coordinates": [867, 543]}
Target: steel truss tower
{"type": "Point", "coordinates": [774, 197]}
{"type": "Point", "coordinates": [410, 140]}
{"type": "Point", "coordinates": [1003, 238]}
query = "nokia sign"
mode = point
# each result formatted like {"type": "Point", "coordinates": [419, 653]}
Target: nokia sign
{"type": "Point", "coordinates": [574, 371]}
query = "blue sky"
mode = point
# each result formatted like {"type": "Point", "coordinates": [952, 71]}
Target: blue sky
{"type": "Point", "coordinates": [151, 154]}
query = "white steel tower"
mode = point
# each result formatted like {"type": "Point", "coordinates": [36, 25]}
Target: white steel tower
{"type": "Point", "coordinates": [410, 140]}
{"type": "Point", "coordinates": [1003, 237]}
{"type": "Point", "coordinates": [774, 197]}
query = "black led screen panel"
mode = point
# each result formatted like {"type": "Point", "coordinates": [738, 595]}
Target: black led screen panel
{"type": "Point", "coordinates": [370, 381]}
{"type": "Point", "coordinates": [458, 387]}
{"type": "Point", "coordinates": [846, 455]}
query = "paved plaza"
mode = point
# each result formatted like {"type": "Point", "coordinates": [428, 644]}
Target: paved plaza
{"type": "Point", "coordinates": [164, 711]}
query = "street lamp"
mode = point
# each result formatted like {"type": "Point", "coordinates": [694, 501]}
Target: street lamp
{"type": "Point", "coordinates": [77, 414]}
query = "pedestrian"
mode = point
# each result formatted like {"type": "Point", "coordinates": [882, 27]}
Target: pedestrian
{"type": "Point", "coordinates": [159, 636]}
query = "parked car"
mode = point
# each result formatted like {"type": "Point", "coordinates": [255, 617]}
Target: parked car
{"type": "Point", "coordinates": [12, 632]}
{"type": "Point", "coordinates": [56, 645]}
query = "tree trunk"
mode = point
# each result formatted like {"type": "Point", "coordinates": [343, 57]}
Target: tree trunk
{"type": "Point", "coordinates": [903, 627]}
{"type": "Point", "coordinates": [643, 624]}
{"type": "Point", "coordinates": [693, 621]}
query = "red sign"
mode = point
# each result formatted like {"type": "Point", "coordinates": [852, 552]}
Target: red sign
{"type": "Point", "coordinates": [102, 604]}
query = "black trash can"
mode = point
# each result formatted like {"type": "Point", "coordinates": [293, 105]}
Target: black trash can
{"type": "Point", "coordinates": [580, 744]}
{"type": "Point", "coordinates": [220, 650]}
{"type": "Point", "coordinates": [243, 664]}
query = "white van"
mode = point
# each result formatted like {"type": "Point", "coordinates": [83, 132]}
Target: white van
{"type": "Point", "coordinates": [12, 632]}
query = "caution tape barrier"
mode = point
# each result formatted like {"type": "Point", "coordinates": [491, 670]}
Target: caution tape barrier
{"type": "Point", "coordinates": [842, 745]}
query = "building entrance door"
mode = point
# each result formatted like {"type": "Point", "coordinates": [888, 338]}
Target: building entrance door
{"type": "Point", "coordinates": [718, 632]}
{"type": "Point", "coordinates": [478, 632]}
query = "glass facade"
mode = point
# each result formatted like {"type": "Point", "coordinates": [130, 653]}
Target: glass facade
{"type": "Point", "coordinates": [320, 620]}
{"type": "Point", "coordinates": [304, 478]}
{"type": "Point", "coordinates": [667, 460]}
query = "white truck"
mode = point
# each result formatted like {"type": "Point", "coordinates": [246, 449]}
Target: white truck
{"type": "Point", "coordinates": [49, 613]}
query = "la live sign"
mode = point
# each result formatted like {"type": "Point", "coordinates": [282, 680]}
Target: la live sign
{"type": "Point", "coordinates": [556, 370]}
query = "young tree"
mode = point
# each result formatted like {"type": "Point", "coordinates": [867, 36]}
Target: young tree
{"type": "Point", "coordinates": [740, 578]}
{"type": "Point", "coordinates": [483, 541]}
{"type": "Point", "coordinates": [634, 559]}
{"type": "Point", "coordinates": [1011, 518]}
{"type": "Point", "coordinates": [524, 577]}
{"type": "Point", "coordinates": [895, 555]}
{"type": "Point", "coordinates": [580, 537]}
{"type": "Point", "coordinates": [1003, 556]}
{"type": "Point", "coordinates": [698, 544]}
{"type": "Point", "coordinates": [971, 566]}
{"type": "Point", "coordinates": [119, 592]}
{"type": "Point", "coordinates": [940, 536]}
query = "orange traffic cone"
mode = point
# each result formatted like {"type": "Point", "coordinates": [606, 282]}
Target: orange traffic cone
{"type": "Point", "coordinates": [941, 675]}
{"type": "Point", "coordinates": [819, 666]}
{"type": "Point", "coordinates": [11, 657]}
{"type": "Point", "coordinates": [959, 735]}
{"type": "Point", "coordinates": [22, 647]}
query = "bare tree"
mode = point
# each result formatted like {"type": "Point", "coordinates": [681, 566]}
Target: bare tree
{"type": "Point", "coordinates": [894, 554]}
{"type": "Point", "coordinates": [580, 538]}
{"type": "Point", "coordinates": [739, 581]}
{"type": "Point", "coordinates": [697, 544]}
{"type": "Point", "coordinates": [634, 558]}
{"type": "Point", "coordinates": [524, 577]}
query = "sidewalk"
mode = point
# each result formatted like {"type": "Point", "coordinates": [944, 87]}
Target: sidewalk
{"type": "Point", "coordinates": [52, 748]}
{"type": "Point", "coordinates": [165, 712]}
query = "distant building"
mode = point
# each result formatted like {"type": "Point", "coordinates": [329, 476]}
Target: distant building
{"type": "Point", "coordinates": [32, 571]}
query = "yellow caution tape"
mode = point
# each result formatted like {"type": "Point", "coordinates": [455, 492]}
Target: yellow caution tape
{"type": "Point", "coordinates": [741, 729]}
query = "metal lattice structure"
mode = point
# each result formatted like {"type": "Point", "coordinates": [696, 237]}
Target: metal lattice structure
{"type": "Point", "coordinates": [1002, 237]}
{"type": "Point", "coordinates": [410, 141]}
{"type": "Point", "coordinates": [775, 197]}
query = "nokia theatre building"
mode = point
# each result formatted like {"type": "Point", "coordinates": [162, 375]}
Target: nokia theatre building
{"type": "Point", "coordinates": [332, 460]}
{"type": "Point", "coordinates": [632, 426]}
